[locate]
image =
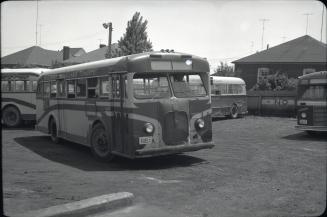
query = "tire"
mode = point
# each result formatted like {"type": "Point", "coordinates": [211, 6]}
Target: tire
{"type": "Point", "coordinates": [11, 116]}
{"type": "Point", "coordinates": [53, 131]}
{"type": "Point", "coordinates": [100, 145]}
{"type": "Point", "coordinates": [234, 111]}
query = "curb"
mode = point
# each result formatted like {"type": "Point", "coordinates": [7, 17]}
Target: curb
{"type": "Point", "coordinates": [85, 207]}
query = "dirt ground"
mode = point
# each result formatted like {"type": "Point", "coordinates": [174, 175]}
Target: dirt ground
{"type": "Point", "coordinates": [260, 166]}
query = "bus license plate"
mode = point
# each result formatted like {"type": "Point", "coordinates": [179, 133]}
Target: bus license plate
{"type": "Point", "coordinates": [303, 121]}
{"type": "Point", "coordinates": [145, 140]}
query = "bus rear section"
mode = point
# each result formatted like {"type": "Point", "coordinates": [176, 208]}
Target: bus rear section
{"type": "Point", "coordinates": [312, 102]}
{"type": "Point", "coordinates": [228, 97]}
{"type": "Point", "coordinates": [18, 101]}
{"type": "Point", "coordinates": [134, 106]}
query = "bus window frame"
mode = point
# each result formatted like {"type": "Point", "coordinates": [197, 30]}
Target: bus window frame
{"type": "Point", "coordinates": [76, 94]}
{"type": "Point", "coordinates": [101, 80]}
{"type": "Point", "coordinates": [68, 94]}
{"type": "Point", "coordinates": [96, 88]}
{"type": "Point", "coordinates": [64, 95]}
{"type": "Point", "coordinates": [46, 94]}
{"type": "Point", "coordinates": [53, 94]}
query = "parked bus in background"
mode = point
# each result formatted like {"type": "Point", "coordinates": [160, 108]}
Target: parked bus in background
{"type": "Point", "coordinates": [228, 96]}
{"type": "Point", "coordinates": [312, 102]}
{"type": "Point", "coordinates": [18, 101]}
{"type": "Point", "coordinates": [133, 106]}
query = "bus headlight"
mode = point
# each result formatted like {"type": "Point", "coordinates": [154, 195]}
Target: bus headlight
{"type": "Point", "coordinates": [303, 115]}
{"type": "Point", "coordinates": [199, 123]}
{"type": "Point", "coordinates": [149, 128]}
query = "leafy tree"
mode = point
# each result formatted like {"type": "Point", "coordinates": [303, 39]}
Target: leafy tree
{"type": "Point", "coordinates": [135, 40]}
{"type": "Point", "coordinates": [224, 70]}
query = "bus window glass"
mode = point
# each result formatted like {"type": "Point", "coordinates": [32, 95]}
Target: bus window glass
{"type": "Point", "coordinates": [92, 87]}
{"type": "Point", "coordinates": [183, 86]}
{"type": "Point", "coordinates": [4, 86]}
{"type": "Point", "coordinates": [61, 88]}
{"type": "Point", "coordinates": [19, 87]}
{"type": "Point", "coordinates": [39, 91]}
{"type": "Point", "coordinates": [46, 86]}
{"type": "Point", "coordinates": [150, 86]}
{"type": "Point", "coordinates": [27, 85]}
{"type": "Point", "coordinates": [104, 86]}
{"type": "Point", "coordinates": [34, 84]}
{"type": "Point", "coordinates": [313, 92]}
{"type": "Point", "coordinates": [81, 87]}
{"type": "Point", "coordinates": [71, 88]}
{"type": "Point", "coordinates": [53, 89]}
{"type": "Point", "coordinates": [116, 86]}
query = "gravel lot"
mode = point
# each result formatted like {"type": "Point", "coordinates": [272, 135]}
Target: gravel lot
{"type": "Point", "coordinates": [260, 166]}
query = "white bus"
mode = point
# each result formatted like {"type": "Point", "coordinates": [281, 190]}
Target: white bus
{"type": "Point", "coordinates": [134, 106]}
{"type": "Point", "coordinates": [228, 96]}
{"type": "Point", "coordinates": [18, 101]}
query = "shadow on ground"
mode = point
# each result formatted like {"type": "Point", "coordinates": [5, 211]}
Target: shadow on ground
{"type": "Point", "coordinates": [80, 157]}
{"type": "Point", "coordinates": [307, 137]}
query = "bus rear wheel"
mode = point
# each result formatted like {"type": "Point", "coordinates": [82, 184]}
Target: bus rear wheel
{"type": "Point", "coordinates": [11, 116]}
{"type": "Point", "coordinates": [100, 145]}
{"type": "Point", "coordinates": [234, 111]}
{"type": "Point", "coordinates": [53, 131]}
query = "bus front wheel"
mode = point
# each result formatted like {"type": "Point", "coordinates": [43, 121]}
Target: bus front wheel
{"type": "Point", "coordinates": [234, 111]}
{"type": "Point", "coordinates": [100, 145]}
{"type": "Point", "coordinates": [53, 131]}
{"type": "Point", "coordinates": [11, 116]}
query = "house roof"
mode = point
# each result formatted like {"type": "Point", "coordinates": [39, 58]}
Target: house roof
{"type": "Point", "coordinates": [98, 54]}
{"type": "Point", "coordinates": [74, 52]}
{"type": "Point", "coordinates": [304, 49]}
{"type": "Point", "coordinates": [34, 55]}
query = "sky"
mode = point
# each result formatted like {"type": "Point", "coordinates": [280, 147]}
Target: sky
{"type": "Point", "coordinates": [220, 30]}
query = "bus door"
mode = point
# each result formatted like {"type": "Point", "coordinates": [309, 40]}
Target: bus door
{"type": "Point", "coordinates": [118, 114]}
{"type": "Point", "coordinates": [92, 94]}
{"type": "Point", "coordinates": [61, 93]}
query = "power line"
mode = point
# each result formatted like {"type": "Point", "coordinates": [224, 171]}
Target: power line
{"type": "Point", "coordinates": [306, 28]}
{"type": "Point", "coordinates": [263, 30]}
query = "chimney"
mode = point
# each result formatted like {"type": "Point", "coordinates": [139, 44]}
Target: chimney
{"type": "Point", "coordinates": [102, 45]}
{"type": "Point", "coordinates": [66, 53]}
{"type": "Point", "coordinates": [267, 46]}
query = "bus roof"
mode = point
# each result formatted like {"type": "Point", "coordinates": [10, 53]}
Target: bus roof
{"type": "Point", "coordinates": [36, 71]}
{"type": "Point", "coordinates": [227, 80]}
{"type": "Point", "coordinates": [135, 63]}
{"type": "Point", "coordinates": [320, 74]}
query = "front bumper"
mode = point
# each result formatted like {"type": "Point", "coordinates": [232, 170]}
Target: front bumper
{"type": "Point", "coordinates": [172, 149]}
{"type": "Point", "coordinates": [311, 128]}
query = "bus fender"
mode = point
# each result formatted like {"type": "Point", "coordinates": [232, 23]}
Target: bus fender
{"type": "Point", "coordinates": [95, 122]}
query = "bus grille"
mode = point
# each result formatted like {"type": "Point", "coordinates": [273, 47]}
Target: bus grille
{"type": "Point", "coordinates": [320, 116]}
{"type": "Point", "coordinates": [175, 128]}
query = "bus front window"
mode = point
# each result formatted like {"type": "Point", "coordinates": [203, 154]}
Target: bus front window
{"type": "Point", "coordinates": [185, 85]}
{"type": "Point", "coordinates": [150, 86]}
{"type": "Point", "coordinates": [313, 92]}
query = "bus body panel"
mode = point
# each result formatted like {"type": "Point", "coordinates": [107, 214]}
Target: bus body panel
{"type": "Point", "coordinates": [222, 104]}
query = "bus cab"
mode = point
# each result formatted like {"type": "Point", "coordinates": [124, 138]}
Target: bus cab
{"type": "Point", "coordinates": [134, 106]}
{"type": "Point", "coordinates": [312, 102]}
{"type": "Point", "coordinates": [228, 96]}
{"type": "Point", "coordinates": [18, 101]}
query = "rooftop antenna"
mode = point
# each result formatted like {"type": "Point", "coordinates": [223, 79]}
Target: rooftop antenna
{"type": "Point", "coordinates": [263, 30]}
{"type": "Point", "coordinates": [306, 28]}
{"type": "Point", "coordinates": [40, 25]}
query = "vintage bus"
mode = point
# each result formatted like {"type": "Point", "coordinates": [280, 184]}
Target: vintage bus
{"type": "Point", "coordinates": [134, 106]}
{"type": "Point", "coordinates": [228, 96]}
{"type": "Point", "coordinates": [18, 101]}
{"type": "Point", "coordinates": [312, 102]}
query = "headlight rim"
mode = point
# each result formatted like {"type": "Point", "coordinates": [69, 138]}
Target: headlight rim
{"type": "Point", "coordinates": [146, 127]}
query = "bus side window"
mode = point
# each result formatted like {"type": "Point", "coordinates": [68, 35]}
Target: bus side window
{"type": "Point", "coordinates": [81, 87]}
{"type": "Point", "coordinates": [105, 87]}
{"type": "Point", "coordinates": [116, 86]}
{"type": "Point", "coordinates": [61, 88]}
{"type": "Point", "coordinates": [39, 91]}
{"type": "Point", "coordinates": [71, 88]}
{"type": "Point", "coordinates": [46, 89]}
{"type": "Point", "coordinates": [19, 87]}
{"type": "Point", "coordinates": [4, 86]}
{"type": "Point", "coordinates": [34, 84]}
{"type": "Point", "coordinates": [92, 88]}
{"type": "Point", "coordinates": [53, 89]}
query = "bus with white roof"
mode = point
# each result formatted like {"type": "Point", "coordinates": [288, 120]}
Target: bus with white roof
{"type": "Point", "coordinates": [18, 101]}
{"type": "Point", "coordinates": [134, 106]}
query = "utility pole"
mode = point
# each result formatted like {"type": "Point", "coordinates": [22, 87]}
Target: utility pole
{"type": "Point", "coordinates": [109, 27]}
{"type": "Point", "coordinates": [306, 28]}
{"type": "Point", "coordinates": [322, 22]}
{"type": "Point", "coordinates": [263, 30]}
{"type": "Point", "coordinates": [36, 21]}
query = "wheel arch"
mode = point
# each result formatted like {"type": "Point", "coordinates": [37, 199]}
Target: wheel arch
{"type": "Point", "coordinates": [10, 105]}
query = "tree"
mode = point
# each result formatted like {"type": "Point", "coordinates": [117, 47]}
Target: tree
{"type": "Point", "coordinates": [224, 70]}
{"type": "Point", "coordinates": [135, 40]}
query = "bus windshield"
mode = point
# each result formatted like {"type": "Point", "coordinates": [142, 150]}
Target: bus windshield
{"type": "Point", "coordinates": [150, 86]}
{"type": "Point", "coordinates": [314, 92]}
{"type": "Point", "coordinates": [186, 85]}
